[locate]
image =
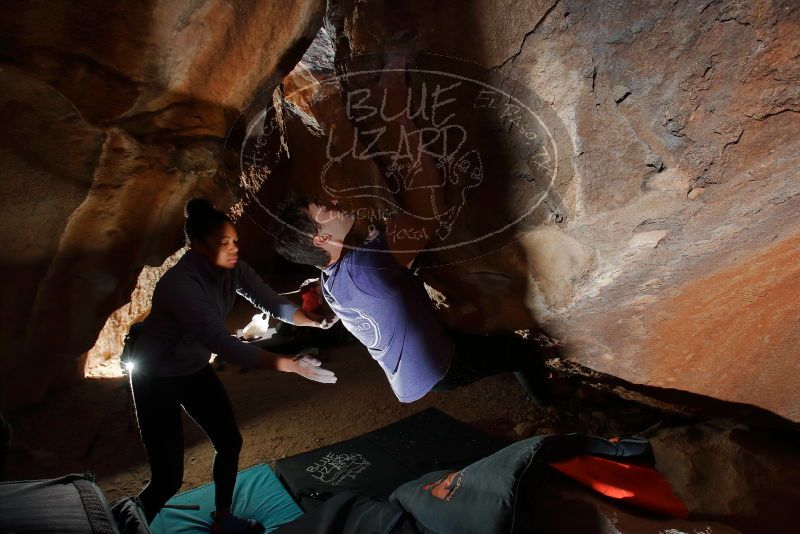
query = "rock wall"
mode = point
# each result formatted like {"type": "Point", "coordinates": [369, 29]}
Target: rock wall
{"type": "Point", "coordinates": [114, 114]}
{"type": "Point", "coordinates": [103, 359]}
{"type": "Point", "coordinates": [667, 250]}
{"type": "Point", "coordinates": [664, 251]}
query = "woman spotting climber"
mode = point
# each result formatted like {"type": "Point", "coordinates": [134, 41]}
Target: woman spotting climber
{"type": "Point", "coordinates": [185, 325]}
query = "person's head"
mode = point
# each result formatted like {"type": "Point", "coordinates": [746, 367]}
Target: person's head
{"type": "Point", "coordinates": [211, 233]}
{"type": "Point", "coordinates": [311, 233]}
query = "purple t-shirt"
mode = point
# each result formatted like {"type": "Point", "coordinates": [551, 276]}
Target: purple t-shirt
{"type": "Point", "coordinates": [388, 310]}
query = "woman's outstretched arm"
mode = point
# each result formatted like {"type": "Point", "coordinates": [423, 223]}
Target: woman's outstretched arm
{"type": "Point", "coordinates": [303, 364]}
{"type": "Point", "coordinates": [263, 297]}
{"type": "Point", "coordinates": [188, 303]}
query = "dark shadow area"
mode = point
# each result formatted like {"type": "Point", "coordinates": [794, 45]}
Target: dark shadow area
{"type": "Point", "coordinates": [680, 403]}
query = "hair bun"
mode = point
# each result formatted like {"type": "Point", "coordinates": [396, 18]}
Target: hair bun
{"type": "Point", "coordinates": [197, 207]}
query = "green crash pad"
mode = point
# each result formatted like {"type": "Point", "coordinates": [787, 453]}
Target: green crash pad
{"type": "Point", "coordinates": [258, 495]}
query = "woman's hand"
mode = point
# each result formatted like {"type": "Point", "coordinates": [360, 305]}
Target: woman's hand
{"type": "Point", "coordinates": [301, 318]}
{"type": "Point", "coordinates": [306, 366]}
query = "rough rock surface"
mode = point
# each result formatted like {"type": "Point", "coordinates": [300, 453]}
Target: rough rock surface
{"type": "Point", "coordinates": [666, 251]}
{"type": "Point", "coordinates": [726, 470]}
{"type": "Point", "coordinates": [103, 358]}
{"type": "Point", "coordinates": [113, 116]}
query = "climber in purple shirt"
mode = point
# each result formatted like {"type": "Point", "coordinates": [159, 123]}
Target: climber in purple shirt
{"type": "Point", "coordinates": [378, 300]}
{"type": "Point", "coordinates": [386, 307]}
{"type": "Point", "coordinates": [370, 288]}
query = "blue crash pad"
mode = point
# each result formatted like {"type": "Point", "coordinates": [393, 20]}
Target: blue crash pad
{"type": "Point", "coordinates": [258, 495]}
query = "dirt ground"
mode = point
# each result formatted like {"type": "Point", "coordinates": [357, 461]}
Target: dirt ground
{"type": "Point", "coordinates": [89, 427]}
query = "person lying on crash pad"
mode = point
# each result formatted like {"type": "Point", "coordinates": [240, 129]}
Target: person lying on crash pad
{"type": "Point", "coordinates": [372, 290]}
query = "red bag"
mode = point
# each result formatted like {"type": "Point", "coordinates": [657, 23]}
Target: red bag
{"type": "Point", "coordinates": [640, 486]}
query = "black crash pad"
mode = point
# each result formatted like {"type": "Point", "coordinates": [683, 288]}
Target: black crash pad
{"type": "Point", "coordinates": [376, 463]}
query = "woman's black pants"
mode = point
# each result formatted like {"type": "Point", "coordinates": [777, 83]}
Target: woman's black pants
{"type": "Point", "coordinates": [158, 403]}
